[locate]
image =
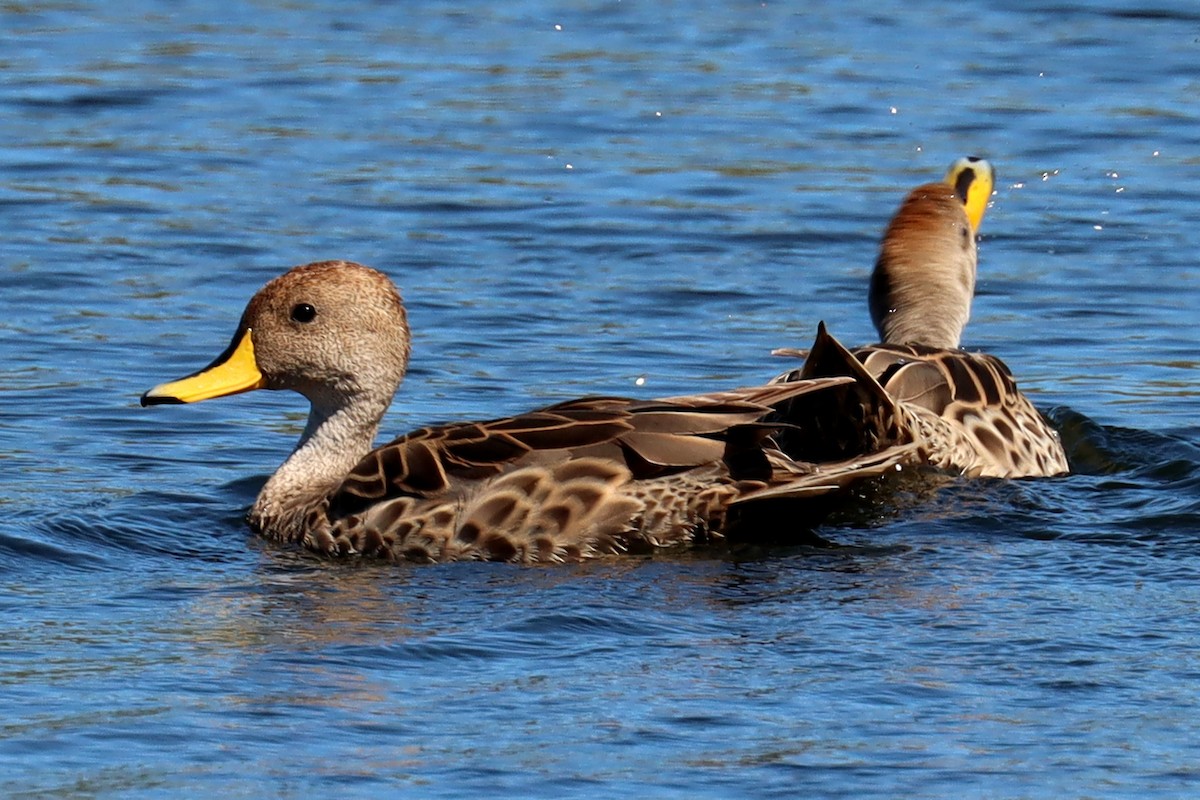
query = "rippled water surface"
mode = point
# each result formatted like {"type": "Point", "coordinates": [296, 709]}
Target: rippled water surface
{"type": "Point", "coordinates": [607, 197]}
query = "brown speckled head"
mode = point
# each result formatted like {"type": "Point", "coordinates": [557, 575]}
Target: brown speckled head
{"type": "Point", "coordinates": [333, 331]}
{"type": "Point", "coordinates": [331, 327]}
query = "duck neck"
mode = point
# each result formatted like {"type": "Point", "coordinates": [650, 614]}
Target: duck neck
{"type": "Point", "coordinates": [335, 439]}
{"type": "Point", "coordinates": [925, 303]}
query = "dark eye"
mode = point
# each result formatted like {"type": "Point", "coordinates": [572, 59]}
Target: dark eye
{"type": "Point", "coordinates": [303, 312]}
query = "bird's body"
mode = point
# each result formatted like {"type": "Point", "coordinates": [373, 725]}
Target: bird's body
{"type": "Point", "coordinates": [583, 478]}
{"type": "Point", "coordinates": [961, 411]}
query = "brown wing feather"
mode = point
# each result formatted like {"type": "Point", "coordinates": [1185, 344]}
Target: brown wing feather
{"type": "Point", "coordinates": [426, 462]}
{"type": "Point", "coordinates": [767, 395]}
{"type": "Point", "coordinates": [674, 449]}
{"type": "Point", "coordinates": [935, 378]}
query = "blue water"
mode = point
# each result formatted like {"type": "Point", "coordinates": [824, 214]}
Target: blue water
{"type": "Point", "coordinates": [607, 197]}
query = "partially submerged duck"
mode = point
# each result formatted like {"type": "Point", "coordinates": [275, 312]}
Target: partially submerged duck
{"type": "Point", "coordinates": [583, 478]}
{"type": "Point", "coordinates": [962, 411]}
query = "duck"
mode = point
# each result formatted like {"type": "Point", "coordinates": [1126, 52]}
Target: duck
{"type": "Point", "coordinates": [583, 478]}
{"type": "Point", "coordinates": [962, 411]}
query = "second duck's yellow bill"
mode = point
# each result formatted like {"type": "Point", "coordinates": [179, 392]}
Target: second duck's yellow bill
{"type": "Point", "coordinates": [973, 179]}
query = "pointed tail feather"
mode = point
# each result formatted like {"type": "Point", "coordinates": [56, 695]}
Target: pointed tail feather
{"type": "Point", "coordinates": [855, 419]}
{"type": "Point", "coordinates": [830, 478]}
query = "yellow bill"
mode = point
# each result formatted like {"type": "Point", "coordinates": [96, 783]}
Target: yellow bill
{"type": "Point", "coordinates": [234, 371]}
{"type": "Point", "coordinates": [973, 180]}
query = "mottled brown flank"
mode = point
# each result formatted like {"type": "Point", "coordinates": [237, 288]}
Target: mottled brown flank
{"type": "Point", "coordinates": [985, 412]}
{"type": "Point", "coordinates": [427, 461]}
{"type": "Point", "coordinates": [961, 410]}
{"type": "Point", "coordinates": [993, 378]}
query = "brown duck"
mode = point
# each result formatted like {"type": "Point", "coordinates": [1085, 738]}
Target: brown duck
{"type": "Point", "coordinates": [583, 478]}
{"type": "Point", "coordinates": [962, 411]}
